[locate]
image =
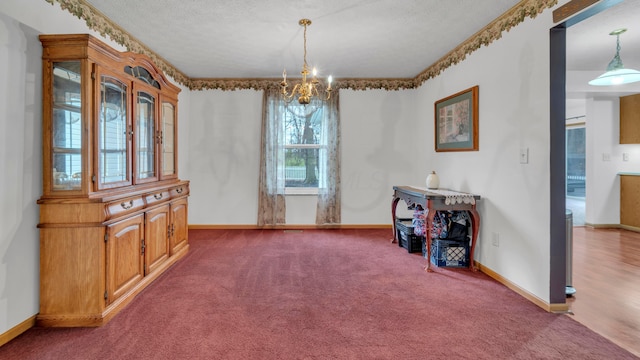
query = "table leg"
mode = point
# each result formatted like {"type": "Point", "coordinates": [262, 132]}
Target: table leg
{"type": "Point", "coordinates": [394, 205]}
{"type": "Point", "coordinates": [428, 220]}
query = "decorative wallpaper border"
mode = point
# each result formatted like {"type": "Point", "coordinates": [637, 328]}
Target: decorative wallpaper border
{"type": "Point", "coordinates": [493, 31]}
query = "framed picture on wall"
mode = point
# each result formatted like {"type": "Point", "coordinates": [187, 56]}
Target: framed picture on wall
{"type": "Point", "coordinates": [456, 121]}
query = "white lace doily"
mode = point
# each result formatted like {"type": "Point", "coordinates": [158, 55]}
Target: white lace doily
{"type": "Point", "coordinates": [452, 197]}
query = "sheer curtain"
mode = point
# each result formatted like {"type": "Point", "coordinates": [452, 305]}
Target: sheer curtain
{"type": "Point", "coordinates": [271, 192]}
{"type": "Point", "coordinates": [271, 199]}
{"type": "Point", "coordinates": [328, 209]}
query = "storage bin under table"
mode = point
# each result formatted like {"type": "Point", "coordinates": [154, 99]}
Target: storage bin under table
{"type": "Point", "coordinates": [406, 237]}
{"type": "Point", "coordinates": [448, 253]}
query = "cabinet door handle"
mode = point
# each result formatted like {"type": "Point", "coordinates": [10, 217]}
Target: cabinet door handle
{"type": "Point", "coordinates": [157, 196]}
{"type": "Point", "coordinates": [127, 206]}
{"type": "Point", "coordinates": [179, 190]}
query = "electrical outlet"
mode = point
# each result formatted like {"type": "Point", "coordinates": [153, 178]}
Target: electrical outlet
{"type": "Point", "coordinates": [495, 239]}
{"type": "Point", "coordinates": [606, 157]}
{"type": "Point", "coordinates": [625, 156]}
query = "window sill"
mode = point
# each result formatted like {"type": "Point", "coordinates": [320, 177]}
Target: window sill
{"type": "Point", "coordinates": [301, 191]}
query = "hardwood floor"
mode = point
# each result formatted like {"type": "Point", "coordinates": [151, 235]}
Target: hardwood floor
{"type": "Point", "coordinates": [606, 276]}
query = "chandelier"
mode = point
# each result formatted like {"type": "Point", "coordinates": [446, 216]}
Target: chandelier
{"type": "Point", "coordinates": [306, 89]}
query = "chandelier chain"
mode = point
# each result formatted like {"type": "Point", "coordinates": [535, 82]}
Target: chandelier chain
{"type": "Point", "coordinates": [305, 45]}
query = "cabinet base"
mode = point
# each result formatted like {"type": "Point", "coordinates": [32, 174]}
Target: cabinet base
{"type": "Point", "coordinates": [96, 320]}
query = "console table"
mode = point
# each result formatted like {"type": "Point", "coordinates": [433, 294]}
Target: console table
{"type": "Point", "coordinates": [431, 201]}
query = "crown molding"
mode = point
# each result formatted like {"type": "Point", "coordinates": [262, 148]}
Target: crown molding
{"type": "Point", "coordinates": [98, 22]}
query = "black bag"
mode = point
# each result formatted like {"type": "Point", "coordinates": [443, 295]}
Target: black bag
{"type": "Point", "coordinates": [457, 231]}
{"type": "Point", "coordinates": [458, 226]}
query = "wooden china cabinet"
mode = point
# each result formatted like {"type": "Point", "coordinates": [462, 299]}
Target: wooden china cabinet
{"type": "Point", "coordinates": [113, 214]}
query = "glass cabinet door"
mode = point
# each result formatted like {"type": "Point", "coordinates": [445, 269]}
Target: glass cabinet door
{"type": "Point", "coordinates": [66, 126]}
{"type": "Point", "coordinates": [145, 136]}
{"type": "Point", "coordinates": [114, 134]}
{"type": "Point", "coordinates": [168, 140]}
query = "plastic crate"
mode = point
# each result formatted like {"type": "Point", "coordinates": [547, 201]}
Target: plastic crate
{"type": "Point", "coordinates": [448, 253]}
{"type": "Point", "coordinates": [406, 238]}
{"type": "Point", "coordinates": [405, 225]}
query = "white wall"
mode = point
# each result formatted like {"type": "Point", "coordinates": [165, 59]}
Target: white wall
{"type": "Point", "coordinates": [379, 145]}
{"type": "Point", "coordinates": [224, 156]}
{"type": "Point", "coordinates": [20, 183]}
{"type": "Point", "coordinates": [602, 187]}
{"type": "Point", "coordinates": [513, 78]}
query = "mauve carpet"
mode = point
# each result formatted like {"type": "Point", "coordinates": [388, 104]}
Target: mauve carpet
{"type": "Point", "coordinates": [318, 294]}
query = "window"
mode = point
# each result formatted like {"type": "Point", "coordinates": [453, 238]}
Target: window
{"type": "Point", "coordinates": [303, 126]}
{"type": "Point", "coordinates": [575, 157]}
{"type": "Point", "coordinates": [300, 154]}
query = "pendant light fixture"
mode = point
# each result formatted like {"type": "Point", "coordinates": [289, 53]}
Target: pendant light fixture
{"type": "Point", "coordinates": [306, 89]}
{"type": "Point", "coordinates": [616, 73]}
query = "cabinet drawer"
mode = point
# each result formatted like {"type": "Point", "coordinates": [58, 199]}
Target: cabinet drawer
{"type": "Point", "coordinates": [178, 191]}
{"type": "Point", "coordinates": [157, 197]}
{"type": "Point", "coordinates": [124, 206]}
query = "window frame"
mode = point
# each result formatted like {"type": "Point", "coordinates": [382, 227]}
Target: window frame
{"type": "Point", "coordinates": [308, 190]}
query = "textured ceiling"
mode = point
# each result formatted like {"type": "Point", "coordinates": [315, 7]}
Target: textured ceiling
{"type": "Point", "coordinates": [257, 38]}
{"type": "Point", "coordinates": [348, 38]}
